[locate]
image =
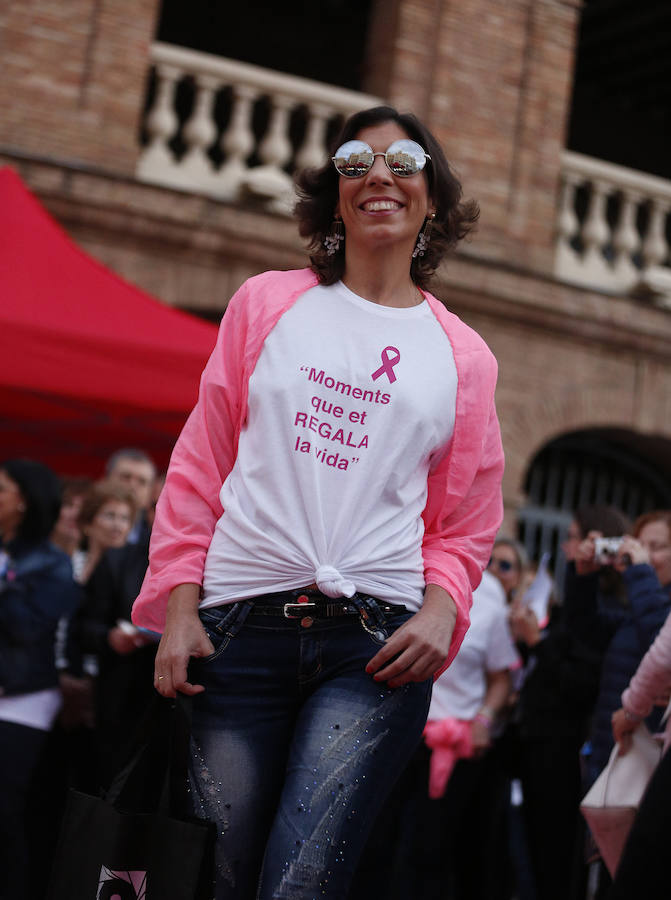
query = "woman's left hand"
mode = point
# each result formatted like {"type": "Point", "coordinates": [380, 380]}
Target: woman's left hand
{"type": "Point", "coordinates": [421, 645]}
{"type": "Point", "coordinates": [631, 553]}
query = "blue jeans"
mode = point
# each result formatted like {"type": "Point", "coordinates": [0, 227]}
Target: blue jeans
{"type": "Point", "coordinates": [295, 748]}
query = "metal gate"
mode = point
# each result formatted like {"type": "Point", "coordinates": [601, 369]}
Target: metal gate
{"type": "Point", "coordinates": [581, 469]}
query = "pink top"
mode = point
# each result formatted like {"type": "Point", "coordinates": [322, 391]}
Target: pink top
{"type": "Point", "coordinates": [463, 509]}
{"type": "Point", "coordinates": [652, 680]}
{"type": "Point", "coordinates": [450, 740]}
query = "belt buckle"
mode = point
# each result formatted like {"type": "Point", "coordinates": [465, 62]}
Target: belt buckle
{"type": "Point", "coordinates": [300, 609]}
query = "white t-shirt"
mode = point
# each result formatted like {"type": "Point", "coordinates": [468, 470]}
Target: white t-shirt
{"type": "Point", "coordinates": [37, 709]}
{"type": "Point", "coordinates": [350, 406]}
{"type": "Point", "coordinates": [488, 647]}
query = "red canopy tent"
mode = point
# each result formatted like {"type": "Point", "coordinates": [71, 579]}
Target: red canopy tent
{"type": "Point", "coordinates": [89, 363]}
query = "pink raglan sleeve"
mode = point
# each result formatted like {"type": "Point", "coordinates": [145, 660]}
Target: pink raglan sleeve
{"type": "Point", "coordinates": [464, 507]}
{"type": "Point", "coordinates": [189, 505]}
{"type": "Point", "coordinates": [653, 676]}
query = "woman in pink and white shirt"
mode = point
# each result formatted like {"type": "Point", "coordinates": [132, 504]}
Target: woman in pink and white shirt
{"type": "Point", "coordinates": [643, 869]}
{"type": "Point", "coordinates": [328, 509]}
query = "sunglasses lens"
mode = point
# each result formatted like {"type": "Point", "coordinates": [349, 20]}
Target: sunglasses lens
{"type": "Point", "coordinates": [405, 158]}
{"type": "Point", "coordinates": [503, 565]}
{"type": "Point", "coordinates": [353, 159]}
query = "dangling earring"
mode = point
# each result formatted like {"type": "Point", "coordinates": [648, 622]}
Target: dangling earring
{"type": "Point", "coordinates": [333, 241]}
{"type": "Point", "coordinates": [424, 237]}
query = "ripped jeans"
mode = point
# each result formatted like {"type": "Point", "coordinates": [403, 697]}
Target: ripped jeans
{"type": "Point", "coordinates": [295, 749]}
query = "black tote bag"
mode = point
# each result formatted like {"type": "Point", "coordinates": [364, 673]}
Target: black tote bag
{"type": "Point", "coordinates": [137, 843]}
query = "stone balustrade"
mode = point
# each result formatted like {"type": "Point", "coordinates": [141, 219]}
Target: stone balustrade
{"type": "Point", "coordinates": [614, 228]}
{"type": "Point", "coordinates": [233, 130]}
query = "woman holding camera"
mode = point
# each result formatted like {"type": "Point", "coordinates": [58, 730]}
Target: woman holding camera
{"type": "Point", "coordinates": [629, 627]}
{"type": "Point", "coordinates": [643, 868]}
{"type": "Point", "coordinates": [329, 506]}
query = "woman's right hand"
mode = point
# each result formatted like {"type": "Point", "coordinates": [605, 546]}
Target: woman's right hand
{"type": "Point", "coordinates": [183, 637]}
{"type": "Point", "coordinates": [623, 729]}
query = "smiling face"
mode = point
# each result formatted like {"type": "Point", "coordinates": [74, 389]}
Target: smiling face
{"type": "Point", "coordinates": [505, 565]}
{"type": "Point", "coordinates": [656, 538]}
{"type": "Point", "coordinates": [110, 526]}
{"type": "Point", "coordinates": [380, 208]}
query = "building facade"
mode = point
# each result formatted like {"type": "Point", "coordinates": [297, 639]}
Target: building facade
{"type": "Point", "coordinates": [172, 165]}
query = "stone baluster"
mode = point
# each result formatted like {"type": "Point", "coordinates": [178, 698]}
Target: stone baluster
{"type": "Point", "coordinates": [566, 258]}
{"type": "Point", "coordinates": [199, 133]}
{"type": "Point", "coordinates": [595, 230]}
{"type": "Point", "coordinates": [626, 238]}
{"type": "Point", "coordinates": [157, 162]}
{"type": "Point", "coordinates": [655, 248]}
{"type": "Point", "coordinates": [269, 180]}
{"type": "Point", "coordinates": [237, 142]}
{"type": "Point", "coordinates": [275, 148]}
{"type": "Point", "coordinates": [312, 153]}
{"type": "Point", "coordinates": [619, 256]}
{"type": "Point", "coordinates": [656, 274]}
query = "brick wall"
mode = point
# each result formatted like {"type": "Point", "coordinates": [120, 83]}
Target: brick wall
{"type": "Point", "coordinates": [74, 78]}
{"type": "Point", "coordinates": [491, 77]}
{"type": "Point", "coordinates": [569, 360]}
{"type": "Point", "coordinates": [493, 80]}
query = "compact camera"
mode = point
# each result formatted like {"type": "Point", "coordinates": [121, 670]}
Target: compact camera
{"type": "Point", "coordinates": [606, 548]}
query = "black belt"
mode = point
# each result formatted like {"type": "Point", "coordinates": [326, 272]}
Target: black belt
{"type": "Point", "coordinates": [319, 610]}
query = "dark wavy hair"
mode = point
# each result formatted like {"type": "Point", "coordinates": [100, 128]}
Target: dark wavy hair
{"type": "Point", "coordinates": [318, 195]}
{"type": "Point", "coordinates": [41, 492]}
{"type": "Point", "coordinates": [609, 520]}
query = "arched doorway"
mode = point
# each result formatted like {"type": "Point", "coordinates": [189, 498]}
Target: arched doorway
{"type": "Point", "coordinates": [599, 465]}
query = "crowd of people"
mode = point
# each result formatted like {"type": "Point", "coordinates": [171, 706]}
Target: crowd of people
{"type": "Point", "coordinates": [551, 696]}
{"type": "Point", "coordinates": [76, 675]}
{"type": "Point", "coordinates": [326, 517]}
{"type": "Point", "coordinates": [518, 728]}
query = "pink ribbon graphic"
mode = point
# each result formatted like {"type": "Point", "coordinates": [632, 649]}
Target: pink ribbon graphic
{"type": "Point", "coordinates": [388, 363]}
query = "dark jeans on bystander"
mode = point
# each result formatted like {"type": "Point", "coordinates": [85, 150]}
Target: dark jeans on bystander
{"type": "Point", "coordinates": [20, 748]}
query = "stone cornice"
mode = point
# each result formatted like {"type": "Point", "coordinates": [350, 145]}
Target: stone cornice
{"type": "Point", "coordinates": [129, 212]}
{"type": "Point", "coordinates": [469, 284]}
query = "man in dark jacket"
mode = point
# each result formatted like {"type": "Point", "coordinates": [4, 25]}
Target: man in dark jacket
{"type": "Point", "coordinates": [125, 657]}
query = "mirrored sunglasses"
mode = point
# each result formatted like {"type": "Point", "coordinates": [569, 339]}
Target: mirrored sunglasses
{"type": "Point", "coordinates": [403, 158]}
